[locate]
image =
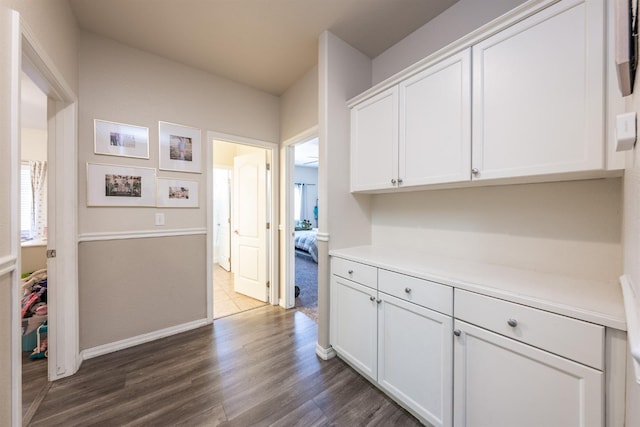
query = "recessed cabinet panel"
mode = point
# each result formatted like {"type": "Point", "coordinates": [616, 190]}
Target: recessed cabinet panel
{"type": "Point", "coordinates": [374, 142]}
{"type": "Point", "coordinates": [415, 358]}
{"type": "Point", "coordinates": [538, 94]}
{"type": "Point", "coordinates": [435, 123]}
{"type": "Point", "coordinates": [354, 324]}
{"type": "Point", "coordinates": [501, 382]}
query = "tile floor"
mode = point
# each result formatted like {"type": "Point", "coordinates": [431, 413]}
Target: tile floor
{"type": "Point", "coordinates": [225, 301]}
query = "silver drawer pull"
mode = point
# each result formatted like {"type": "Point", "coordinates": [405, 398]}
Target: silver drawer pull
{"type": "Point", "coordinates": [407, 290]}
{"type": "Point", "coordinates": [350, 271]}
{"type": "Point", "coordinates": [372, 298]}
{"type": "Point", "coordinates": [378, 301]}
{"type": "Point", "coordinates": [512, 322]}
{"type": "Point", "coordinates": [457, 332]}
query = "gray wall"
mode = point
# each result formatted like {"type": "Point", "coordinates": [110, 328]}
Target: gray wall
{"type": "Point", "coordinates": [136, 286]}
{"type": "Point", "coordinates": [122, 84]}
{"type": "Point", "coordinates": [457, 21]}
{"type": "Point", "coordinates": [299, 106]}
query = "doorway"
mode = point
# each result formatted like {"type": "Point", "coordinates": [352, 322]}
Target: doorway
{"type": "Point", "coordinates": [33, 244]}
{"type": "Point", "coordinates": [28, 56]}
{"type": "Point", "coordinates": [302, 218]}
{"type": "Point", "coordinates": [241, 231]}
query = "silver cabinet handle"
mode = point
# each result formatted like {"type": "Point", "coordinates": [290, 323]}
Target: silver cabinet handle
{"type": "Point", "coordinates": [475, 171]}
{"type": "Point", "coordinates": [350, 271]}
{"type": "Point", "coordinates": [378, 301]}
{"type": "Point", "coordinates": [407, 290]}
{"type": "Point", "coordinates": [457, 332]}
{"type": "Point", "coordinates": [512, 322]}
{"type": "Point", "coordinates": [393, 181]}
{"type": "Point", "coordinates": [399, 181]}
{"type": "Point", "coordinates": [372, 298]}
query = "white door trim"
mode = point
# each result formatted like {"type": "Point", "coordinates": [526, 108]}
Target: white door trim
{"type": "Point", "coordinates": [64, 354]}
{"type": "Point", "coordinates": [272, 245]}
{"type": "Point", "coordinates": [287, 226]}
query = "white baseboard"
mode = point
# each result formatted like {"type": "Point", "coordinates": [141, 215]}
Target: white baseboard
{"type": "Point", "coordinates": [141, 339]}
{"type": "Point", "coordinates": [325, 353]}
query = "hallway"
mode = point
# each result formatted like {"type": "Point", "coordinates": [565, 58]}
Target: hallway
{"type": "Point", "coordinates": [254, 368]}
{"type": "Point", "coordinates": [226, 301]}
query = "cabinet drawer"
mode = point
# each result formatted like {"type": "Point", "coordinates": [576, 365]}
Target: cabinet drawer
{"type": "Point", "coordinates": [564, 336]}
{"type": "Point", "coordinates": [360, 273]}
{"type": "Point", "coordinates": [422, 292]}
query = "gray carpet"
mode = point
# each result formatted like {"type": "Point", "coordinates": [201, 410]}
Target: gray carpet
{"type": "Point", "coordinates": [307, 281]}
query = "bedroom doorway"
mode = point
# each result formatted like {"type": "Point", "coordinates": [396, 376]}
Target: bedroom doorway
{"type": "Point", "coordinates": [305, 200]}
{"type": "Point", "coordinates": [33, 243]}
{"type": "Point", "coordinates": [240, 234]}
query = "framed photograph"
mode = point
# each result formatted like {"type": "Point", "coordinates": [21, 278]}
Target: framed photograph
{"type": "Point", "coordinates": [177, 193]}
{"type": "Point", "coordinates": [119, 139]}
{"type": "Point", "coordinates": [110, 185]}
{"type": "Point", "coordinates": [180, 148]}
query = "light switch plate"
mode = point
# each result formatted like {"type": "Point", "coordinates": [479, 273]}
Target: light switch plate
{"type": "Point", "coordinates": [625, 131]}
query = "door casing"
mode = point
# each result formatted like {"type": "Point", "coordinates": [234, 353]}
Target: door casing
{"type": "Point", "coordinates": [273, 203]}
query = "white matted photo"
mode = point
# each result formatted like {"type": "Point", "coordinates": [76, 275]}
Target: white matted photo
{"type": "Point", "coordinates": [110, 185]}
{"type": "Point", "coordinates": [177, 193]}
{"type": "Point", "coordinates": [119, 139]}
{"type": "Point", "coordinates": [180, 148]}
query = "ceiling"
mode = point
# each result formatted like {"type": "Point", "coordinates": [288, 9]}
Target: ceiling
{"type": "Point", "coordinates": [306, 153]}
{"type": "Point", "coordinates": [265, 44]}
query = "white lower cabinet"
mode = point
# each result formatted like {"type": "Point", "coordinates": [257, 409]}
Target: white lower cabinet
{"type": "Point", "coordinates": [500, 382]}
{"type": "Point", "coordinates": [520, 366]}
{"type": "Point", "coordinates": [479, 362]}
{"type": "Point", "coordinates": [353, 324]}
{"type": "Point", "coordinates": [402, 346]}
{"type": "Point", "coordinates": [414, 358]}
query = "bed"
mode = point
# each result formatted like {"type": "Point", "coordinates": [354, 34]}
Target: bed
{"type": "Point", "coordinates": [306, 243]}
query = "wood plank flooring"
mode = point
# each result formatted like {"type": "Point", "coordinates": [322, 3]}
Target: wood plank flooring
{"type": "Point", "coordinates": [254, 368]}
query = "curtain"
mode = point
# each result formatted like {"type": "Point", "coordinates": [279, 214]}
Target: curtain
{"type": "Point", "coordinates": [303, 202]}
{"type": "Point", "coordinates": [300, 208]}
{"type": "Point", "coordinates": [39, 199]}
{"type": "Point", "coordinates": [297, 195]}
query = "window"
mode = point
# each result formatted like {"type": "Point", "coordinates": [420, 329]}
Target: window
{"type": "Point", "coordinates": [26, 203]}
{"type": "Point", "coordinates": [33, 201]}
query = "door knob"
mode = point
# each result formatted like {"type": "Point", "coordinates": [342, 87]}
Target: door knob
{"type": "Point", "coordinates": [393, 181]}
{"type": "Point", "coordinates": [457, 332]}
{"type": "Point", "coordinates": [512, 322]}
{"type": "Point", "coordinates": [236, 231]}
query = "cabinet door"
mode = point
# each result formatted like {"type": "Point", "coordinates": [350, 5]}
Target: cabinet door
{"type": "Point", "coordinates": [415, 358]}
{"type": "Point", "coordinates": [354, 324]}
{"type": "Point", "coordinates": [538, 94]}
{"type": "Point", "coordinates": [374, 142]}
{"type": "Point", "coordinates": [435, 123]}
{"type": "Point", "coordinates": [500, 382]}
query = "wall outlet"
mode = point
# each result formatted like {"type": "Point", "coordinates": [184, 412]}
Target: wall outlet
{"type": "Point", "coordinates": [159, 219]}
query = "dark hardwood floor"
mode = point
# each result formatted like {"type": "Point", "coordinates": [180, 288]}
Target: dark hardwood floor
{"type": "Point", "coordinates": [34, 384]}
{"type": "Point", "coordinates": [254, 368]}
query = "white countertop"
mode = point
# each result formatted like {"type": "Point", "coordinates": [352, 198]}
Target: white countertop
{"type": "Point", "coordinates": [592, 301]}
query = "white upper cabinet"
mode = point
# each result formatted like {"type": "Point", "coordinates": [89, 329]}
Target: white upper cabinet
{"type": "Point", "coordinates": [435, 124]}
{"type": "Point", "coordinates": [526, 98]}
{"type": "Point", "coordinates": [538, 94]}
{"type": "Point", "coordinates": [374, 142]}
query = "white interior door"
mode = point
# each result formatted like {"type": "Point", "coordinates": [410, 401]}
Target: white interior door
{"type": "Point", "coordinates": [250, 225]}
{"type": "Point", "coordinates": [222, 188]}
